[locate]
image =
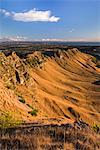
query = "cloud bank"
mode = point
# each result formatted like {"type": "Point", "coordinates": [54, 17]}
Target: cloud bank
{"type": "Point", "coordinates": [16, 38]}
{"type": "Point", "coordinates": [31, 16]}
{"type": "Point", "coordinates": [22, 38]}
{"type": "Point", "coordinates": [97, 39]}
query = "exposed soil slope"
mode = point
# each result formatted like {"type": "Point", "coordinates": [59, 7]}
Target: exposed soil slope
{"type": "Point", "coordinates": [58, 84]}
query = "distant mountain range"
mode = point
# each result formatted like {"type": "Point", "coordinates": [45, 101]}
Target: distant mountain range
{"type": "Point", "coordinates": [69, 43]}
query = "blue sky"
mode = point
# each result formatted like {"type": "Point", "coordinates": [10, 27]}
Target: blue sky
{"type": "Point", "coordinates": [72, 20]}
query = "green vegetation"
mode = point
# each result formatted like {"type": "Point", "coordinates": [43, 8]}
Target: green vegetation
{"type": "Point", "coordinates": [22, 100]}
{"type": "Point", "coordinates": [96, 128]}
{"type": "Point", "coordinates": [6, 121]}
{"type": "Point", "coordinates": [94, 60]}
{"type": "Point", "coordinates": [0, 62]}
{"type": "Point", "coordinates": [33, 112]}
{"type": "Point", "coordinates": [29, 106]}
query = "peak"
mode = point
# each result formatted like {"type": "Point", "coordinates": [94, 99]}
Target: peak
{"type": "Point", "coordinates": [14, 54]}
{"type": "Point", "coordinates": [35, 54]}
{"type": "Point", "coordinates": [73, 51]}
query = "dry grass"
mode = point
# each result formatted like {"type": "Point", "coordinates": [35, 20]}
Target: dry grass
{"type": "Point", "coordinates": [50, 138]}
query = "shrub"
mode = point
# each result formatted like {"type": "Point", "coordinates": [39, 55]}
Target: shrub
{"type": "Point", "coordinates": [0, 62]}
{"type": "Point", "coordinates": [94, 60]}
{"type": "Point", "coordinates": [29, 106]}
{"type": "Point", "coordinates": [33, 112]}
{"type": "Point", "coordinates": [96, 128]}
{"type": "Point", "coordinates": [6, 121]}
{"type": "Point", "coordinates": [21, 99]}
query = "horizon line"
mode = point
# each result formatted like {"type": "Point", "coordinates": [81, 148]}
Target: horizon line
{"type": "Point", "coordinates": [46, 41]}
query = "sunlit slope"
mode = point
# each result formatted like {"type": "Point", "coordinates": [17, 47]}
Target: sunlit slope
{"type": "Point", "coordinates": [61, 84]}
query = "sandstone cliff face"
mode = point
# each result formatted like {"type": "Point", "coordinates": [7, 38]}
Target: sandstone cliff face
{"type": "Point", "coordinates": [56, 84]}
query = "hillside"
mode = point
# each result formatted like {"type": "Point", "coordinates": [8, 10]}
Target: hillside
{"type": "Point", "coordinates": [47, 85]}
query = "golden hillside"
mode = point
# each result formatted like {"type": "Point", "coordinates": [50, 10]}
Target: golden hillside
{"type": "Point", "coordinates": [63, 85]}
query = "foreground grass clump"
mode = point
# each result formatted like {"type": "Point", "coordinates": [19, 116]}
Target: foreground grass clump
{"type": "Point", "coordinates": [62, 137]}
{"type": "Point", "coordinates": [33, 112]}
{"type": "Point", "coordinates": [6, 121]}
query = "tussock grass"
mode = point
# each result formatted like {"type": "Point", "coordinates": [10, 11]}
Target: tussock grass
{"type": "Point", "coordinates": [7, 120]}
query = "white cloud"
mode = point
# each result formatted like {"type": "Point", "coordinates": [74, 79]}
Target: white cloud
{"type": "Point", "coordinates": [17, 38]}
{"type": "Point", "coordinates": [72, 30]}
{"type": "Point", "coordinates": [5, 12]}
{"type": "Point", "coordinates": [31, 16]}
{"type": "Point", "coordinates": [48, 40]}
{"type": "Point", "coordinates": [97, 39]}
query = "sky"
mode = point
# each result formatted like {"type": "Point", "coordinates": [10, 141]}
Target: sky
{"type": "Point", "coordinates": [50, 20]}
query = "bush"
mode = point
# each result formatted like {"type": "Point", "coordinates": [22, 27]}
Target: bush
{"type": "Point", "coordinates": [22, 101]}
{"type": "Point", "coordinates": [0, 62]}
{"type": "Point", "coordinates": [6, 121]}
{"type": "Point", "coordinates": [33, 112]}
{"type": "Point", "coordinates": [29, 106]}
{"type": "Point", "coordinates": [96, 128]}
{"type": "Point", "coordinates": [94, 60]}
